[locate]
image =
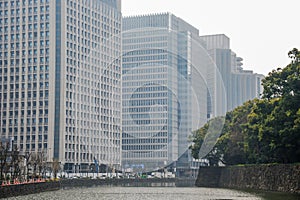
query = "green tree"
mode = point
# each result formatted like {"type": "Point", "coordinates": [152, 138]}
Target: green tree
{"type": "Point", "coordinates": [205, 141]}
{"type": "Point", "coordinates": [262, 131]}
{"type": "Point", "coordinates": [259, 132]}
{"type": "Point", "coordinates": [284, 82]}
{"type": "Point", "coordinates": [234, 151]}
{"type": "Point", "coordinates": [283, 87]}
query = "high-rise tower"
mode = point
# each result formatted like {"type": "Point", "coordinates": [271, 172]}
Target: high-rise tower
{"type": "Point", "coordinates": [60, 79]}
{"type": "Point", "coordinates": [164, 89]}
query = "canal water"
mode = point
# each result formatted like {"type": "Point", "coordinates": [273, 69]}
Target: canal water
{"type": "Point", "coordinates": [155, 193]}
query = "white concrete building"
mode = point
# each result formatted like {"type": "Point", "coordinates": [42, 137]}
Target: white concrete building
{"type": "Point", "coordinates": [60, 79]}
{"type": "Point", "coordinates": [164, 90]}
{"type": "Point", "coordinates": [229, 84]}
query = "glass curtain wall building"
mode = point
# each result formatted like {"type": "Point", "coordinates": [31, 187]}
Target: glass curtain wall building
{"type": "Point", "coordinates": [164, 90]}
{"type": "Point", "coordinates": [60, 79]}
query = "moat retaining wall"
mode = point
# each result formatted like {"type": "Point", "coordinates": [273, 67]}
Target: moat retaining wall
{"type": "Point", "coordinates": [272, 177]}
{"type": "Point", "coordinates": [30, 188]}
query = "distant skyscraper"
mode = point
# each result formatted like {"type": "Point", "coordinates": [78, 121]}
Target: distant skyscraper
{"type": "Point", "coordinates": [164, 89]}
{"type": "Point", "coordinates": [246, 86]}
{"type": "Point", "coordinates": [234, 85]}
{"type": "Point", "coordinates": [60, 79]}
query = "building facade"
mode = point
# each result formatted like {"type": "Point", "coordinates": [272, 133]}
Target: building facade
{"type": "Point", "coordinates": [60, 79]}
{"type": "Point", "coordinates": [230, 85]}
{"type": "Point", "coordinates": [164, 91]}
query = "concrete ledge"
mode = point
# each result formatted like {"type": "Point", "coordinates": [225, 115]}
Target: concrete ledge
{"type": "Point", "coordinates": [127, 182]}
{"type": "Point", "coordinates": [33, 188]}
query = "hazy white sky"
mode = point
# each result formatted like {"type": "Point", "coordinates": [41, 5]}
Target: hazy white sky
{"type": "Point", "coordinates": [261, 31]}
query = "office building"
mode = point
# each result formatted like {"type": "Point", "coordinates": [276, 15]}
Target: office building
{"type": "Point", "coordinates": [230, 85]}
{"type": "Point", "coordinates": [246, 86]}
{"type": "Point", "coordinates": [60, 79]}
{"type": "Point", "coordinates": [164, 90]}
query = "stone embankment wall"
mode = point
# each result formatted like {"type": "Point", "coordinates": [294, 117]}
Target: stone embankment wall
{"type": "Point", "coordinates": [273, 177]}
{"type": "Point", "coordinates": [24, 189]}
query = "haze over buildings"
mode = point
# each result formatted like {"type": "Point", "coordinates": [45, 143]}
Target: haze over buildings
{"type": "Point", "coordinates": [262, 51]}
{"type": "Point", "coordinates": [61, 75]}
{"type": "Point", "coordinates": [172, 76]}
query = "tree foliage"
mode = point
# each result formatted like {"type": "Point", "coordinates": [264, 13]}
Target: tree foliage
{"type": "Point", "coordinates": [23, 166]}
{"type": "Point", "coordinates": [55, 167]}
{"type": "Point", "coordinates": [4, 154]}
{"type": "Point", "coordinates": [265, 130]}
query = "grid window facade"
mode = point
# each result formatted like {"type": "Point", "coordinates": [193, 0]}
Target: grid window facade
{"type": "Point", "coordinates": [60, 78]}
{"type": "Point", "coordinates": [24, 73]}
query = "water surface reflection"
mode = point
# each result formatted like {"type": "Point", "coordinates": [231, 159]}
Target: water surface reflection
{"type": "Point", "coordinates": [157, 193]}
